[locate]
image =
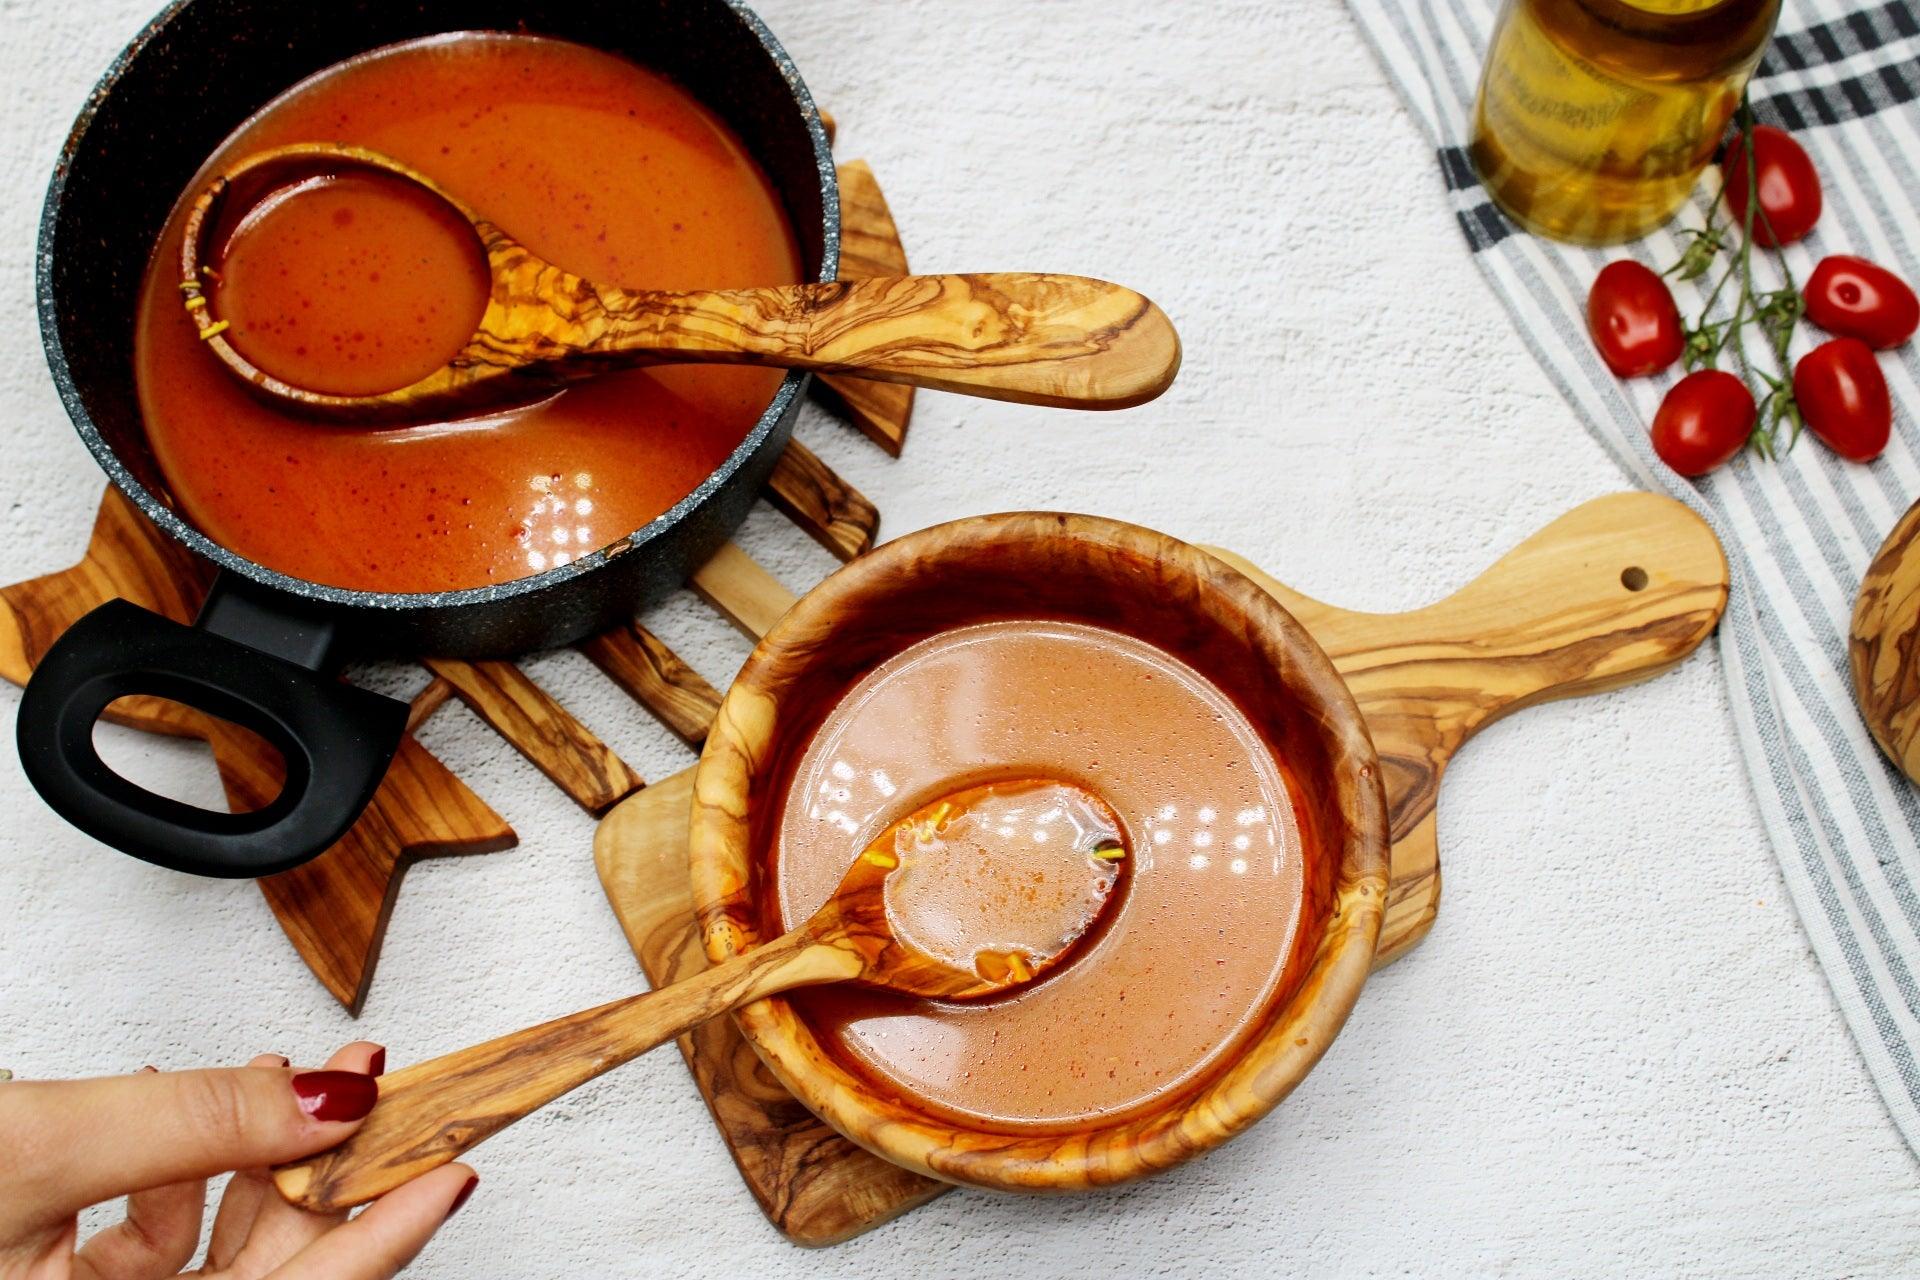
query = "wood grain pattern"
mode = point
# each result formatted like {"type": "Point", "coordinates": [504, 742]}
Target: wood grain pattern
{"type": "Point", "coordinates": [836, 515]}
{"type": "Point", "coordinates": [1884, 645]}
{"type": "Point", "coordinates": [334, 909]}
{"type": "Point", "coordinates": [1029, 337]}
{"type": "Point", "coordinates": [813, 1184]}
{"type": "Point", "coordinates": [433, 1112]}
{"type": "Point", "coordinates": [881, 411]}
{"type": "Point", "coordinates": [815, 498]}
{"type": "Point", "coordinates": [870, 248]}
{"type": "Point", "coordinates": [737, 586]}
{"type": "Point", "coordinates": [542, 730]}
{"type": "Point", "coordinates": [1101, 573]}
{"type": "Point", "coordinates": [125, 557]}
{"type": "Point", "coordinates": [654, 675]}
{"type": "Point", "coordinates": [422, 705]}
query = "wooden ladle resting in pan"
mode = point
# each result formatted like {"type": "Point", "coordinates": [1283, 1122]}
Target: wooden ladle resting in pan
{"type": "Point", "coordinates": [915, 915]}
{"type": "Point", "coordinates": [1056, 340]}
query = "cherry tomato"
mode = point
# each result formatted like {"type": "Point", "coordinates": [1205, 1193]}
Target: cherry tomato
{"type": "Point", "coordinates": [1705, 420]}
{"type": "Point", "coordinates": [1784, 179]}
{"type": "Point", "coordinates": [1855, 299]}
{"type": "Point", "coordinates": [1843, 396]}
{"type": "Point", "coordinates": [1633, 320]}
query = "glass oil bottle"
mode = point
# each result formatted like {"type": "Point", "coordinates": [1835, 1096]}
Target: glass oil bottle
{"type": "Point", "coordinates": [1595, 117]}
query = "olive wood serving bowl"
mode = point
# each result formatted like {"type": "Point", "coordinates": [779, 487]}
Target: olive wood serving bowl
{"type": "Point", "coordinates": [1107, 574]}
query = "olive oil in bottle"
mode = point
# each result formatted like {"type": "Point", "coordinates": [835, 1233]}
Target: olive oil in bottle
{"type": "Point", "coordinates": [1595, 117]}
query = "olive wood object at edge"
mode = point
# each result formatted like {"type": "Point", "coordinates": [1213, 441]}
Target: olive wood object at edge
{"type": "Point", "coordinates": [1884, 646]}
{"type": "Point", "coordinates": [1614, 592]}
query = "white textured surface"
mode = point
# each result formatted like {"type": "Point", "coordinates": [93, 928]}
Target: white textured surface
{"type": "Point", "coordinates": [1614, 1055]}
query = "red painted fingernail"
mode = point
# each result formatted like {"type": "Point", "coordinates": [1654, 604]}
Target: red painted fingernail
{"type": "Point", "coordinates": [377, 1063]}
{"type": "Point", "coordinates": [283, 1061]}
{"type": "Point", "coordinates": [335, 1095]}
{"type": "Point", "coordinates": [147, 1071]}
{"type": "Point", "coordinates": [473, 1180]}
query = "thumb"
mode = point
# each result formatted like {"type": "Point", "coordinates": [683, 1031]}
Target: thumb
{"type": "Point", "coordinates": [76, 1143]}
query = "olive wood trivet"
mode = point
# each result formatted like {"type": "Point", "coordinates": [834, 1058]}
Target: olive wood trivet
{"type": "Point", "coordinates": [1613, 592]}
{"type": "Point", "coordinates": [335, 908]}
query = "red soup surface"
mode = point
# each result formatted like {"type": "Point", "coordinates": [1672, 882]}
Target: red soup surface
{"type": "Point", "coordinates": [351, 284]}
{"type": "Point", "coordinates": [598, 165]}
{"type": "Point", "coordinates": [1187, 961]}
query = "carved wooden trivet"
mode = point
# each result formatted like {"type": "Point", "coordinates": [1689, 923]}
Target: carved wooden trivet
{"type": "Point", "coordinates": [335, 908]}
{"type": "Point", "coordinates": [1613, 592]}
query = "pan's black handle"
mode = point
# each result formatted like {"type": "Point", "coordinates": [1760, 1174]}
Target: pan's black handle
{"type": "Point", "coordinates": [246, 660]}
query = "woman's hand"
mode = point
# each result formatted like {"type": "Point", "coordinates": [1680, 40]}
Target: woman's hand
{"type": "Point", "coordinates": [157, 1137]}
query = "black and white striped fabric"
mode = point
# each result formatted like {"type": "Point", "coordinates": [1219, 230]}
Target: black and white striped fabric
{"type": "Point", "coordinates": [1800, 531]}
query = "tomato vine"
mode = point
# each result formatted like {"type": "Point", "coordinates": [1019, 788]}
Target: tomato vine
{"type": "Point", "coordinates": [1776, 312]}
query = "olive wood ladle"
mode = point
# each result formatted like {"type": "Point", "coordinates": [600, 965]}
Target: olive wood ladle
{"type": "Point", "coordinates": [431, 1112]}
{"type": "Point", "coordinates": [1066, 341]}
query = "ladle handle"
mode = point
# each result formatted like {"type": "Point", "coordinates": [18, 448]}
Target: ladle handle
{"type": "Point", "coordinates": [432, 1112]}
{"type": "Point", "coordinates": [1066, 341]}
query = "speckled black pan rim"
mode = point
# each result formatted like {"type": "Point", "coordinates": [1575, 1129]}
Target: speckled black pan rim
{"type": "Point", "coordinates": [637, 542]}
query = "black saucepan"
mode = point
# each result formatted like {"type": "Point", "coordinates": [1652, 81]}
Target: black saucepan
{"type": "Point", "coordinates": [266, 647]}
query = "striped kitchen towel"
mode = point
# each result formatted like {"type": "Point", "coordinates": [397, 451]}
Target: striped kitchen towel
{"type": "Point", "coordinates": [1799, 532]}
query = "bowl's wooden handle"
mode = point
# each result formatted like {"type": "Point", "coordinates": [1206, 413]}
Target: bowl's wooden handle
{"type": "Point", "coordinates": [1614, 591]}
{"type": "Point", "coordinates": [433, 1111]}
{"type": "Point", "coordinates": [1617, 590]}
{"type": "Point", "coordinates": [1066, 341]}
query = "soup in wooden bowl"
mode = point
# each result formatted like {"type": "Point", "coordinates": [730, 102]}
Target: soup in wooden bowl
{"type": "Point", "coordinates": [1118, 660]}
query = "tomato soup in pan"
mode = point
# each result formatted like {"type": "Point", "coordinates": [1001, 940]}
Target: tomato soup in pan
{"type": "Point", "coordinates": [1192, 954]}
{"type": "Point", "coordinates": [594, 163]}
